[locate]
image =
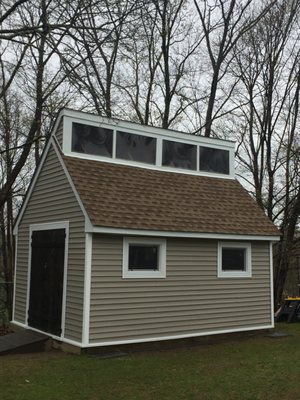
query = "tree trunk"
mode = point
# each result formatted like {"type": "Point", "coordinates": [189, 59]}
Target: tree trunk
{"type": "Point", "coordinates": [280, 273]}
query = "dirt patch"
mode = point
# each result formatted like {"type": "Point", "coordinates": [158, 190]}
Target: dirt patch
{"type": "Point", "coordinates": [5, 330]}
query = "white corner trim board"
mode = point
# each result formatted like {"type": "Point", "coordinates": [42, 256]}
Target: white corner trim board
{"type": "Point", "coordinates": [271, 283]}
{"type": "Point", "coordinates": [87, 288]}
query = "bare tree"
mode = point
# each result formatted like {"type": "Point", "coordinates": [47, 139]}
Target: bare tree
{"type": "Point", "coordinates": [89, 57]}
{"type": "Point", "coordinates": [267, 65]}
{"type": "Point", "coordinates": [27, 72]}
{"type": "Point", "coordinates": [224, 23]}
{"type": "Point", "coordinates": [157, 62]}
{"type": "Point", "coordinates": [10, 130]}
{"type": "Point", "coordinates": [35, 41]}
{"type": "Point", "coordinates": [139, 60]}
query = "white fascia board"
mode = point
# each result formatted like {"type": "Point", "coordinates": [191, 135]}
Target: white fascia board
{"type": "Point", "coordinates": [196, 235]}
{"type": "Point", "coordinates": [167, 133]}
{"type": "Point", "coordinates": [88, 224]}
{"type": "Point", "coordinates": [57, 123]}
{"type": "Point", "coordinates": [31, 187]}
{"type": "Point", "coordinates": [52, 142]}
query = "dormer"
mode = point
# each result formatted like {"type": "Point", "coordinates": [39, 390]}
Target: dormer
{"type": "Point", "coordinates": [94, 137]}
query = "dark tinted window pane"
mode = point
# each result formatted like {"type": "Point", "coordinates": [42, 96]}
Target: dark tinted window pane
{"type": "Point", "coordinates": [136, 147]}
{"type": "Point", "coordinates": [233, 259]}
{"type": "Point", "coordinates": [143, 257]}
{"type": "Point", "coordinates": [214, 160]}
{"type": "Point", "coordinates": [179, 155]}
{"type": "Point", "coordinates": [92, 140]}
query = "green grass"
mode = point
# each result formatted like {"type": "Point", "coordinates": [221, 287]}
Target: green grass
{"type": "Point", "coordinates": [254, 368]}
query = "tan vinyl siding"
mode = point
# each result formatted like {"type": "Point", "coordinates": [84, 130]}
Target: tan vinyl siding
{"type": "Point", "coordinates": [59, 132]}
{"type": "Point", "coordinates": [192, 299]}
{"type": "Point", "coordinates": [52, 200]}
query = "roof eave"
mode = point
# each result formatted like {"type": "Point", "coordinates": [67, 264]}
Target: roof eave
{"type": "Point", "coordinates": [196, 235]}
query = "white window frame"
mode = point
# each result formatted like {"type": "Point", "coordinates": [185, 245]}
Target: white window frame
{"type": "Point", "coordinates": [248, 259]}
{"type": "Point", "coordinates": [160, 273]}
{"type": "Point", "coordinates": [159, 134]}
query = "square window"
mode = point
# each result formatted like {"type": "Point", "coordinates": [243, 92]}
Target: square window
{"type": "Point", "coordinates": [179, 155]}
{"type": "Point", "coordinates": [92, 140]}
{"type": "Point", "coordinates": [136, 147]}
{"type": "Point", "coordinates": [234, 260]}
{"type": "Point", "coordinates": [214, 160]}
{"type": "Point", "coordinates": [144, 258]}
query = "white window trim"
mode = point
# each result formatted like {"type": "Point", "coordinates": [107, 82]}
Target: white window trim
{"type": "Point", "coordinates": [235, 274]}
{"type": "Point", "coordinates": [161, 273]}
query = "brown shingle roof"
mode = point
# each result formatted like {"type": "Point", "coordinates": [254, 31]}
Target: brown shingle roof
{"type": "Point", "coordinates": [120, 196]}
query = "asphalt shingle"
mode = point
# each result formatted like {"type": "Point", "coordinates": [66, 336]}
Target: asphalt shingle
{"type": "Point", "coordinates": [120, 196]}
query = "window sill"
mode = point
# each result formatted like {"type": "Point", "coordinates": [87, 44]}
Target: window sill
{"type": "Point", "coordinates": [223, 274]}
{"type": "Point", "coordinates": [144, 274]}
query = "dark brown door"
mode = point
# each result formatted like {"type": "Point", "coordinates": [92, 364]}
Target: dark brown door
{"type": "Point", "coordinates": [46, 280]}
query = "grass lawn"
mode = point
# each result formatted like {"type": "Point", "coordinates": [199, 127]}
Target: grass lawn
{"type": "Point", "coordinates": [257, 367]}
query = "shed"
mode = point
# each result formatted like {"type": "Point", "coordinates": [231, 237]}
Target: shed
{"type": "Point", "coordinates": [133, 234]}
